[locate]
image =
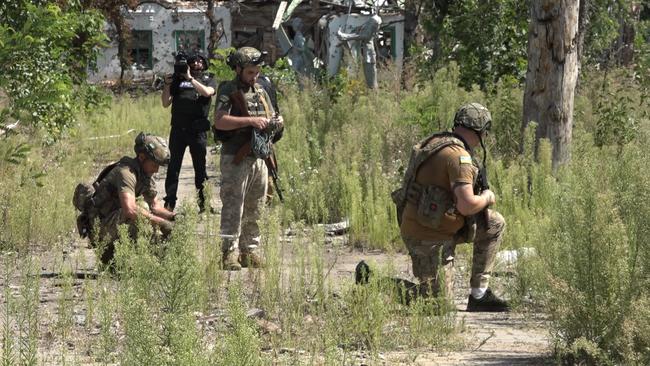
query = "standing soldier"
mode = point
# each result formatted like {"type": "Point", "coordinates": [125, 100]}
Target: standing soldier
{"type": "Point", "coordinates": [243, 106]}
{"type": "Point", "coordinates": [189, 94]}
{"type": "Point", "coordinates": [113, 201]}
{"type": "Point", "coordinates": [440, 205]}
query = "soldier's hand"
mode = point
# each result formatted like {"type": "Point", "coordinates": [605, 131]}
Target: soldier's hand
{"type": "Point", "coordinates": [259, 122]}
{"type": "Point", "coordinates": [489, 196]}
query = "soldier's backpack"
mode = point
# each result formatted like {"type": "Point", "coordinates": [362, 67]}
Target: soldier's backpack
{"type": "Point", "coordinates": [82, 199]}
{"type": "Point", "coordinates": [410, 191]}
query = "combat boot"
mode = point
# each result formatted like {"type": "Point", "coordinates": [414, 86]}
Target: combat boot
{"type": "Point", "coordinates": [489, 303]}
{"type": "Point", "coordinates": [230, 262]}
{"type": "Point", "coordinates": [250, 260]}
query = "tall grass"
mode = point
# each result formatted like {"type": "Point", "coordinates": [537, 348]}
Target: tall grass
{"type": "Point", "coordinates": [339, 160]}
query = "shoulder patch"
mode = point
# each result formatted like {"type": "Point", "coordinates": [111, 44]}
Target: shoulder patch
{"type": "Point", "coordinates": [465, 160]}
{"type": "Point", "coordinates": [223, 98]}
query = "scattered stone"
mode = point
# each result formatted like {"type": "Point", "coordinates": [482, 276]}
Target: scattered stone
{"type": "Point", "coordinates": [255, 313]}
{"type": "Point", "coordinates": [209, 319]}
{"type": "Point", "coordinates": [338, 228]}
{"type": "Point", "coordinates": [268, 327]}
{"type": "Point", "coordinates": [79, 319]}
{"type": "Point", "coordinates": [510, 257]}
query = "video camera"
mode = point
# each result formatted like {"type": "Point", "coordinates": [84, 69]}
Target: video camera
{"type": "Point", "coordinates": [180, 64]}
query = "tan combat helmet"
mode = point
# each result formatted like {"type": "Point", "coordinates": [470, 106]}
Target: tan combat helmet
{"type": "Point", "coordinates": [245, 56]}
{"type": "Point", "coordinates": [154, 147]}
{"type": "Point", "coordinates": [473, 116]}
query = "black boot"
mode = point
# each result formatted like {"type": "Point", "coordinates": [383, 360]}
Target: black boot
{"type": "Point", "coordinates": [489, 303]}
{"type": "Point", "coordinates": [170, 205]}
{"type": "Point", "coordinates": [362, 273]}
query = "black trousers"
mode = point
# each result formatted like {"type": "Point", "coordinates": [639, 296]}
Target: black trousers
{"type": "Point", "coordinates": [179, 139]}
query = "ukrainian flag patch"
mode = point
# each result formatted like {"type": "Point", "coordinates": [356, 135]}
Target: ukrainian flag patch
{"type": "Point", "coordinates": [465, 160]}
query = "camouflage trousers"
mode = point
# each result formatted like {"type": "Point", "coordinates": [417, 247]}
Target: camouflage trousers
{"type": "Point", "coordinates": [109, 233]}
{"type": "Point", "coordinates": [242, 193]}
{"type": "Point", "coordinates": [433, 261]}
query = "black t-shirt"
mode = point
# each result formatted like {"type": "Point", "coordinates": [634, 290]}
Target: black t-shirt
{"type": "Point", "coordinates": [187, 104]}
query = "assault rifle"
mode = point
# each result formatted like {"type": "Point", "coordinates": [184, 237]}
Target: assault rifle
{"type": "Point", "coordinates": [261, 142]}
{"type": "Point", "coordinates": [482, 184]}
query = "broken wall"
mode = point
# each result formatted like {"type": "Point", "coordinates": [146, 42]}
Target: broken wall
{"type": "Point", "coordinates": [164, 31]}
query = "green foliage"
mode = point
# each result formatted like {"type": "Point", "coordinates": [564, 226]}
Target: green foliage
{"type": "Point", "coordinates": [218, 65]}
{"type": "Point", "coordinates": [241, 345]}
{"type": "Point", "coordinates": [606, 19]}
{"type": "Point", "coordinates": [490, 40]}
{"type": "Point", "coordinates": [487, 39]}
{"type": "Point", "coordinates": [160, 288]}
{"type": "Point", "coordinates": [45, 53]}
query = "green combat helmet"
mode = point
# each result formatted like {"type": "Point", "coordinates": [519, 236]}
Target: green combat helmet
{"type": "Point", "coordinates": [245, 56]}
{"type": "Point", "coordinates": [154, 147]}
{"type": "Point", "coordinates": [473, 116]}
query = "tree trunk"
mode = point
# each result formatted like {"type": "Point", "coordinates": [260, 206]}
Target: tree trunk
{"type": "Point", "coordinates": [583, 24]}
{"type": "Point", "coordinates": [123, 40]}
{"type": "Point", "coordinates": [215, 33]}
{"type": "Point", "coordinates": [552, 73]}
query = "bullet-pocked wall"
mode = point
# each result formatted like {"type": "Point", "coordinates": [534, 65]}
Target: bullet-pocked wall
{"type": "Point", "coordinates": [158, 34]}
{"type": "Point", "coordinates": [389, 41]}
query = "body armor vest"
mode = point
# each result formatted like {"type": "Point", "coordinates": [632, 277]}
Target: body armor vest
{"type": "Point", "coordinates": [431, 201]}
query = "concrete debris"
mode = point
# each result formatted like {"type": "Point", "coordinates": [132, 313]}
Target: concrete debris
{"type": "Point", "coordinates": [255, 313]}
{"type": "Point", "coordinates": [510, 257]}
{"type": "Point", "coordinates": [268, 327]}
{"type": "Point", "coordinates": [338, 228]}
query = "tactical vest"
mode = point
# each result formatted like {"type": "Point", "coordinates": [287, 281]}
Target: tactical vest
{"type": "Point", "coordinates": [431, 201]}
{"type": "Point", "coordinates": [242, 104]}
{"type": "Point", "coordinates": [106, 199]}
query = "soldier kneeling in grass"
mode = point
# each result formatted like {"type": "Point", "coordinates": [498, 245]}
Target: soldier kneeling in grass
{"type": "Point", "coordinates": [444, 201]}
{"type": "Point", "coordinates": [111, 199]}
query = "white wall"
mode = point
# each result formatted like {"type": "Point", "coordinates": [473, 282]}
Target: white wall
{"type": "Point", "coordinates": [160, 21]}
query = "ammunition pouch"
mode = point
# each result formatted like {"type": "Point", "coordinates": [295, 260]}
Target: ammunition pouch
{"type": "Point", "coordinates": [432, 204]}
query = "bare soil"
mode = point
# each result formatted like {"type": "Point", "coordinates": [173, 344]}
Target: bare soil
{"type": "Point", "coordinates": [490, 339]}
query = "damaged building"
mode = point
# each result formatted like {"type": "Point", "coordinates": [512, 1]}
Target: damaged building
{"type": "Point", "coordinates": [304, 31]}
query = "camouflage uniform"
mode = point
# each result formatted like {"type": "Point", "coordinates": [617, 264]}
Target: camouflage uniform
{"type": "Point", "coordinates": [243, 184]}
{"type": "Point", "coordinates": [431, 225]}
{"type": "Point", "coordinates": [126, 176]}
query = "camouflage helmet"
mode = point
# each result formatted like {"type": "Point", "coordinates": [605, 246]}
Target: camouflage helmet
{"type": "Point", "coordinates": [154, 147]}
{"type": "Point", "coordinates": [473, 116]}
{"type": "Point", "coordinates": [245, 56]}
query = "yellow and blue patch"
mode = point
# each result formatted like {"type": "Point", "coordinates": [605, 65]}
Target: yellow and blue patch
{"type": "Point", "coordinates": [465, 160]}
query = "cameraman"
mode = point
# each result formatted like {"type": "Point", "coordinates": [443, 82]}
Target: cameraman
{"type": "Point", "coordinates": [189, 91]}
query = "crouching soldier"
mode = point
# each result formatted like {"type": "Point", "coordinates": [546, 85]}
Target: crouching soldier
{"type": "Point", "coordinates": [111, 200]}
{"type": "Point", "coordinates": [444, 201]}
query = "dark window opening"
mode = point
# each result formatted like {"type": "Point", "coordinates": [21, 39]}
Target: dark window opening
{"type": "Point", "coordinates": [190, 41]}
{"type": "Point", "coordinates": [141, 50]}
{"type": "Point", "coordinates": [386, 50]}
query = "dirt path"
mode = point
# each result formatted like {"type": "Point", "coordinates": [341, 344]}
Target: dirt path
{"type": "Point", "coordinates": [491, 339]}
